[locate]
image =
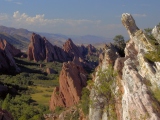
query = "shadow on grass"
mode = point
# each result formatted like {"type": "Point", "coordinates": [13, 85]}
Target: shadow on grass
{"type": "Point", "coordinates": [18, 61]}
{"type": "Point", "coordinates": [29, 70]}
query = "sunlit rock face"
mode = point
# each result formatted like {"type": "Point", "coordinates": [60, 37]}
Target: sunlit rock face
{"type": "Point", "coordinates": [72, 50]}
{"type": "Point", "coordinates": [97, 109]}
{"type": "Point", "coordinates": [72, 79]}
{"type": "Point", "coordinates": [134, 71]}
{"type": "Point", "coordinates": [41, 49]}
{"type": "Point", "coordinates": [156, 33]}
{"type": "Point", "coordinates": [129, 23]}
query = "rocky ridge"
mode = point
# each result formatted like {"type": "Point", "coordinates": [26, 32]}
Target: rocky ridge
{"type": "Point", "coordinates": [7, 63]}
{"type": "Point", "coordinates": [134, 71]}
{"type": "Point", "coordinates": [41, 49]}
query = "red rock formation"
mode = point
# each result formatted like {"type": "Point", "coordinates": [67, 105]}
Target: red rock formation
{"type": "Point", "coordinates": [72, 50]}
{"type": "Point", "coordinates": [72, 79]}
{"type": "Point", "coordinates": [4, 115]}
{"type": "Point", "coordinates": [36, 48]}
{"type": "Point", "coordinates": [5, 45]}
{"type": "Point", "coordinates": [7, 63]}
{"type": "Point", "coordinates": [91, 49]}
{"type": "Point", "coordinates": [41, 49]}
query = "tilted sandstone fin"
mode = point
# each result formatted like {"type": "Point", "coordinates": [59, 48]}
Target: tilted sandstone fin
{"type": "Point", "coordinates": [72, 79]}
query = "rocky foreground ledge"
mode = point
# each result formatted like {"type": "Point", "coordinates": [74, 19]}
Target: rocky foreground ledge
{"type": "Point", "coordinates": [135, 100]}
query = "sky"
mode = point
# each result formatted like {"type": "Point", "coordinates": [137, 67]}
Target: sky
{"type": "Point", "coordinates": [78, 17]}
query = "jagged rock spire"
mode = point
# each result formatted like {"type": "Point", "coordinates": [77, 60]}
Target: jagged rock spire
{"type": "Point", "coordinates": [129, 24]}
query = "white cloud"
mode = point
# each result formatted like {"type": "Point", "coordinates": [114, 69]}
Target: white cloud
{"type": "Point", "coordinates": [39, 23]}
{"type": "Point", "coordinates": [41, 20]}
{"type": "Point", "coordinates": [139, 15]}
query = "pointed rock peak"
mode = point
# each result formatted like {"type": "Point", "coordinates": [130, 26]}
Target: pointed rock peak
{"type": "Point", "coordinates": [129, 24]}
{"type": "Point", "coordinates": [68, 44]}
{"type": "Point", "coordinates": [69, 40]}
{"type": "Point", "coordinates": [34, 34]}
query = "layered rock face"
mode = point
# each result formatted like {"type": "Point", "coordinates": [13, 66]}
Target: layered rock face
{"type": "Point", "coordinates": [41, 49]}
{"type": "Point", "coordinates": [134, 71]}
{"type": "Point", "coordinates": [72, 79]}
{"type": "Point", "coordinates": [4, 115]}
{"type": "Point", "coordinates": [97, 109]}
{"type": "Point", "coordinates": [72, 50]}
{"type": "Point", "coordinates": [7, 63]}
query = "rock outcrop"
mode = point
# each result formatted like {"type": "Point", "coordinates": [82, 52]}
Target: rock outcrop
{"type": "Point", "coordinates": [135, 72]}
{"type": "Point", "coordinates": [91, 49]}
{"type": "Point", "coordinates": [7, 63]}
{"type": "Point", "coordinates": [72, 50]}
{"type": "Point", "coordinates": [108, 57]}
{"type": "Point", "coordinates": [5, 45]}
{"type": "Point", "coordinates": [156, 33]}
{"type": "Point", "coordinates": [41, 49]}
{"type": "Point", "coordinates": [72, 79]}
{"type": "Point", "coordinates": [4, 115]}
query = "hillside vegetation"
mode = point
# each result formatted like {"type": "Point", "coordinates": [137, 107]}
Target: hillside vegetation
{"type": "Point", "coordinates": [29, 92]}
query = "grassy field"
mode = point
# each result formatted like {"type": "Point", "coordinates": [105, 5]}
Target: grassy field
{"type": "Point", "coordinates": [42, 94]}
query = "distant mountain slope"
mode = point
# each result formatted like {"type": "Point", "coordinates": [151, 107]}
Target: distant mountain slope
{"type": "Point", "coordinates": [18, 41]}
{"type": "Point", "coordinates": [12, 31]}
{"type": "Point", "coordinates": [20, 37]}
{"type": "Point", "coordinates": [90, 39]}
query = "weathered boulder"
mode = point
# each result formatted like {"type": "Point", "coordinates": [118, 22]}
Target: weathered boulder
{"type": "Point", "coordinates": [7, 63]}
{"type": "Point", "coordinates": [72, 79]}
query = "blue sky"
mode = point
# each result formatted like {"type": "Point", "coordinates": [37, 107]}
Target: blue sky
{"type": "Point", "coordinates": [78, 17]}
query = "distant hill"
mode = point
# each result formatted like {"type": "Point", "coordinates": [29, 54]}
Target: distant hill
{"type": "Point", "coordinates": [59, 39]}
{"type": "Point", "coordinates": [90, 39]}
{"type": "Point", "coordinates": [12, 31]}
{"type": "Point", "coordinates": [20, 38]}
{"type": "Point", "coordinates": [18, 41]}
